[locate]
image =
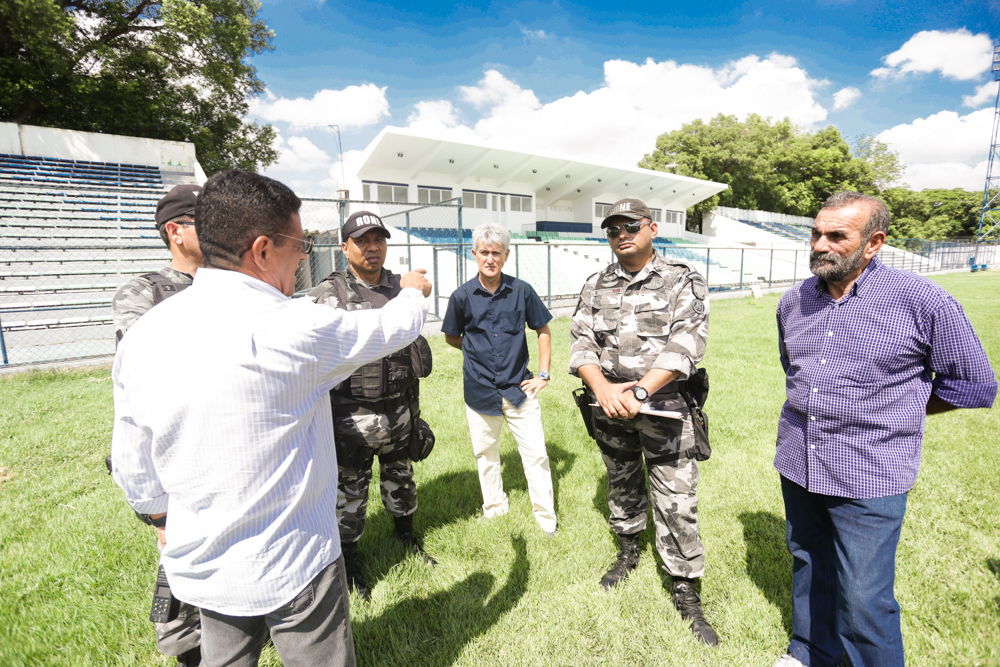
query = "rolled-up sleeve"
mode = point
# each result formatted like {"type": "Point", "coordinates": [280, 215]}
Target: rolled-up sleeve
{"type": "Point", "coordinates": [584, 348]}
{"type": "Point", "coordinates": [962, 373]}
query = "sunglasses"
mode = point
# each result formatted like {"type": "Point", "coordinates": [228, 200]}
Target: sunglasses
{"type": "Point", "coordinates": [615, 231]}
{"type": "Point", "coordinates": [307, 244]}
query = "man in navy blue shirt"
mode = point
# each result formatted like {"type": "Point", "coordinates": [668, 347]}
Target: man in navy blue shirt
{"type": "Point", "coordinates": [485, 319]}
{"type": "Point", "coordinates": [868, 352]}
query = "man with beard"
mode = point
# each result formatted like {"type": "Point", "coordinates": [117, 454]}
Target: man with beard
{"type": "Point", "coordinates": [868, 351]}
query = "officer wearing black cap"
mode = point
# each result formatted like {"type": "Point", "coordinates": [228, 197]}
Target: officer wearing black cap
{"type": "Point", "coordinates": [375, 411]}
{"type": "Point", "coordinates": [175, 223]}
{"type": "Point", "coordinates": [179, 633]}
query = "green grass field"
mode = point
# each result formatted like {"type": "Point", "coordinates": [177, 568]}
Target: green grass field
{"type": "Point", "coordinates": [76, 569]}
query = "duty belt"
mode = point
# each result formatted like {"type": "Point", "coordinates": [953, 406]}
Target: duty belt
{"type": "Point", "coordinates": [382, 406]}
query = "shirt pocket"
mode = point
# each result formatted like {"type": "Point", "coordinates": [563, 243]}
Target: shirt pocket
{"type": "Point", "coordinates": [606, 309]}
{"type": "Point", "coordinates": [512, 323]}
{"type": "Point", "coordinates": [653, 317]}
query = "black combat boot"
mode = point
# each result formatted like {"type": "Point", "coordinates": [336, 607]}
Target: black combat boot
{"type": "Point", "coordinates": [628, 558]}
{"type": "Point", "coordinates": [190, 658]}
{"type": "Point", "coordinates": [404, 533]}
{"type": "Point", "coordinates": [352, 567]}
{"type": "Point", "coordinates": [688, 603]}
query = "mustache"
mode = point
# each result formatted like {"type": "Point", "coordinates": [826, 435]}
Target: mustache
{"type": "Point", "coordinates": [823, 256]}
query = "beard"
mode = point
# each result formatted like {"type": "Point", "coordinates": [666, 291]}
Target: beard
{"type": "Point", "coordinates": [832, 267]}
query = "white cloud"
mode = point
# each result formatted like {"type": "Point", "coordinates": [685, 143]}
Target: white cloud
{"type": "Point", "coordinates": [354, 106]}
{"type": "Point", "coordinates": [538, 34]}
{"type": "Point", "coordinates": [434, 111]}
{"type": "Point", "coordinates": [958, 55]}
{"type": "Point", "coordinates": [944, 150]}
{"type": "Point", "coordinates": [845, 97]}
{"type": "Point", "coordinates": [298, 154]}
{"type": "Point", "coordinates": [619, 122]}
{"type": "Point", "coordinates": [985, 94]}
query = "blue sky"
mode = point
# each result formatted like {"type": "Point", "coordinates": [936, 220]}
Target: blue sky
{"type": "Point", "coordinates": [601, 81]}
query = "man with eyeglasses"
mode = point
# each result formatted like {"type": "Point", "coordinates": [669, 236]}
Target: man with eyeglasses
{"type": "Point", "coordinates": [232, 436]}
{"type": "Point", "coordinates": [180, 632]}
{"type": "Point", "coordinates": [377, 408]}
{"type": "Point", "coordinates": [640, 327]}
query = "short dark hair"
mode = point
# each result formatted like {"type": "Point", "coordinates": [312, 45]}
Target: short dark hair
{"type": "Point", "coordinates": [879, 219]}
{"type": "Point", "coordinates": [234, 208]}
{"type": "Point", "coordinates": [180, 220]}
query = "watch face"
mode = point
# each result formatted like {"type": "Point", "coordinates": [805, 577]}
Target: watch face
{"type": "Point", "coordinates": [640, 393]}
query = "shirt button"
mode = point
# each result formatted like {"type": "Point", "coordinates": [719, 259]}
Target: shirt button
{"type": "Point", "coordinates": [812, 418]}
{"type": "Point", "coordinates": [829, 333]}
{"type": "Point", "coordinates": [812, 446]}
{"type": "Point", "coordinates": [814, 390]}
{"type": "Point", "coordinates": [822, 361]}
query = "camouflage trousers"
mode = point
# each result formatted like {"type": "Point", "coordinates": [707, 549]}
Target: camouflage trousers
{"type": "Point", "coordinates": [361, 435]}
{"type": "Point", "coordinates": [672, 485]}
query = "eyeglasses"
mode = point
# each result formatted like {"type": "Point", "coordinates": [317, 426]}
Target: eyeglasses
{"type": "Point", "coordinates": [631, 227]}
{"type": "Point", "coordinates": [307, 244]}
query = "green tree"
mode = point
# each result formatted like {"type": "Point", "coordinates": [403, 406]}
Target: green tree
{"type": "Point", "coordinates": [933, 214]}
{"type": "Point", "coordinates": [883, 160]}
{"type": "Point", "coordinates": [175, 70]}
{"type": "Point", "coordinates": [769, 166]}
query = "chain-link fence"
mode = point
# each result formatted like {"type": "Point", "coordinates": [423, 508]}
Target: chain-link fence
{"type": "Point", "coordinates": [63, 254]}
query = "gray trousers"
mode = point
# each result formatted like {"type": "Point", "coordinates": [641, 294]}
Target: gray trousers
{"type": "Point", "coordinates": [312, 630]}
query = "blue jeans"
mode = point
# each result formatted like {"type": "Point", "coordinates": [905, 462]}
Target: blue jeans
{"type": "Point", "coordinates": [844, 568]}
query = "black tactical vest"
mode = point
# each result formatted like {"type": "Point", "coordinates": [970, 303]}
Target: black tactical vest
{"type": "Point", "coordinates": [163, 287]}
{"type": "Point", "coordinates": [392, 374]}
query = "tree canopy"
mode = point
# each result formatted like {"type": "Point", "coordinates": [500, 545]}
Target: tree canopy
{"type": "Point", "coordinates": [772, 166]}
{"type": "Point", "coordinates": [174, 70]}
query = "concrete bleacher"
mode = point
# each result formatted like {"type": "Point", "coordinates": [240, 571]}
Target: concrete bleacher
{"type": "Point", "coordinates": [791, 232]}
{"type": "Point", "coordinates": [71, 232]}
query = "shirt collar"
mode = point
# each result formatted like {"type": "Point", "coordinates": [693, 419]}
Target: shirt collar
{"type": "Point", "coordinates": [226, 279]}
{"type": "Point", "coordinates": [873, 267]}
{"type": "Point", "coordinates": [383, 278]}
{"type": "Point", "coordinates": [505, 284]}
{"type": "Point", "coordinates": [657, 264]}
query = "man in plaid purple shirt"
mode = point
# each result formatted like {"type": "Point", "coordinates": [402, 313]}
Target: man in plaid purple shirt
{"type": "Point", "coordinates": [868, 351]}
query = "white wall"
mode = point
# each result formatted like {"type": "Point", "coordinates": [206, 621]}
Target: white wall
{"type": "Point", "coordinates": [169, 156]}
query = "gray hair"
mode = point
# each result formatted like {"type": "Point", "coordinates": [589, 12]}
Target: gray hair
{"type": "Point", "coordinates": [879, 218]}
{"type": "Point", "coordinates": [490, 234]}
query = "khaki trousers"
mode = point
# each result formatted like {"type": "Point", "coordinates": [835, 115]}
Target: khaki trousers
{"type": "Point", "coordinates": [525, 425]}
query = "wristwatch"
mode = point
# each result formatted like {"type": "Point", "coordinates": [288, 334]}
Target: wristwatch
{"type": "Point", "coordinates": [544, 375]}
{"type": "Point", "coordinates": [640, 393]}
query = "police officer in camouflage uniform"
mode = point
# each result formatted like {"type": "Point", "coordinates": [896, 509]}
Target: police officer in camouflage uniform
{"type": "Point", "coordinates": [640, 327]}
{"type": "Point", "coordinates": [174, 218]}
{"type": "Point", "coordinates": [374, 409]}
{"type": "Point", "coordinates": [175, 223]}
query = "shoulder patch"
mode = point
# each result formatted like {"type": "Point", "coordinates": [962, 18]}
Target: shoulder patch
{"type": "Point", "coordinates": [698, 286]}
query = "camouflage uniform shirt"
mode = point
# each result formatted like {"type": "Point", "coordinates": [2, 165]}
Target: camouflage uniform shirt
{"type": "Point", "coordinates": [135, 297]}
{"type": "Point", "coordinates": [629, 325]}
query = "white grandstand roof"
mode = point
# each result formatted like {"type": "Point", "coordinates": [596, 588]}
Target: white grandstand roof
{"type": "Point", "coordinates": [403, 156]}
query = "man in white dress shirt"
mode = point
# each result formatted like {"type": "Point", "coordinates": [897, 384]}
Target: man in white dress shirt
{"type": "Point", "coordinates": [222, 421]}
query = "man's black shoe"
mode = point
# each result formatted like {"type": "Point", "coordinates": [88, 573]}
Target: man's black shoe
{"type": "Point", "coordinates": [688, 603]}
{"type": "Point", "coordinates": [404, 533]}
{"type": "Point", "coordinates": [628, 558]}
{"type": "Point", "coordinates": [352, 568]}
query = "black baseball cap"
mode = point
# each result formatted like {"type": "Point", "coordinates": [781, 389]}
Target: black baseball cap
{"type": "Point", "coordinates": [627, 208]}
{"type": "Point", "coordinates": [179, 201]}
{"type": "Point", "coordinates": [361, 222]}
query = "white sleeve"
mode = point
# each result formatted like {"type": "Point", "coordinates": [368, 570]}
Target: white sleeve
{"type": "Point", "coordinates": [346, 340]}
{"type": "Point", "coordinates": [132, 456]}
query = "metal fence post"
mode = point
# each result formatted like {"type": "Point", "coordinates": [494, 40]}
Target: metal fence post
{"type": "Point", "coordinates": [708, 259]}
{"type": "Point", "coordinates": [795, 267]}
{"type": "Point", "coordinates": [409, 244]}
{"type": "Point", "coordinates": [437, 293]}
{"type": "Point", "coordinates": [770, 270]}
{"type": "Point", "coordinates": [517, 262]}
{"type": "Point", "coordinates": [742, 250]}
{"type": "Point", "coordinates": [461, 240]}
{"type": "Point", "coordinates": [3, 345]}
{"type": "Point", "coordinates": [549, 272]}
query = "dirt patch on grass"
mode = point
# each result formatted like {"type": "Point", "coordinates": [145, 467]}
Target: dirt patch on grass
{"type": "Point", "coordinates": [6, 474]}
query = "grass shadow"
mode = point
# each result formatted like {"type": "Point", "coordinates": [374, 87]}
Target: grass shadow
{"type": "Point", "coordinates": [993, 565]}
{"type": "Point", "coordinates": [768, 562]}
{"type": "Point", "coordinates": [434, 630]}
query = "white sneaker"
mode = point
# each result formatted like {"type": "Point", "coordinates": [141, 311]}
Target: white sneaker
{"type": "Point", "coordinates": [788, 660]}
